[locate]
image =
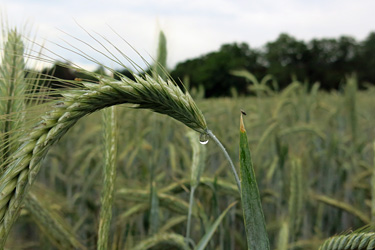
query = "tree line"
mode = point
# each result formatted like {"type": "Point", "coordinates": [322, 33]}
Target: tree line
{"type": "Point", "coordinates": [327, 61]}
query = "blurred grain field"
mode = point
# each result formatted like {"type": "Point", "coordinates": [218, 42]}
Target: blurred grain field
{"type": "Point", "coordinates": [313, 154]}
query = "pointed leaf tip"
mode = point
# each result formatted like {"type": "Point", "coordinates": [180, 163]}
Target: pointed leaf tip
{"type": "Point", "coordinates": [242, 126]}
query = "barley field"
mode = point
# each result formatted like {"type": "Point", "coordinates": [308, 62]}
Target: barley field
{"type": "Point", "coordinates": [129, 178]}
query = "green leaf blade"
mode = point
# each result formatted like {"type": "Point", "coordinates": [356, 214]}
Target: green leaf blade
{"type": "Point", "coordinates": [206, 238]}
{"type": "Point", "coordinates": [255, 225]}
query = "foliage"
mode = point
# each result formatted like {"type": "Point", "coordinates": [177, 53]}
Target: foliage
{"type": "Point", "coordinates": [331, 165]}
{"type": "Point", "coordinates": [255, 225]}
{"type": "Point", "coordinates": [324, 60]}
{"type": "Point", "coordinates": [212, 71]}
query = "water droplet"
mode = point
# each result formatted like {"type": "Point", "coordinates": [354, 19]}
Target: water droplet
{"type": "Point", "coordinates": [203, 139]}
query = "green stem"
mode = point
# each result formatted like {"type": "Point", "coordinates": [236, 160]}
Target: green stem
{"type": "Point", "coordinates": [189, 213]}
{"type": "Point", "coordinates": [209, 132]}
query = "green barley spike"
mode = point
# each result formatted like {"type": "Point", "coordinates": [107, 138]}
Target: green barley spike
{"type": "Point", "coordinates": [161, 59]}
{"type": "Point", "coordinates": [171, 240]}
{"type": "Point", "coordinates": [283, 237]}
{"type": "Point", "coordinates": [12, 88]}
{"type": "Point", "coordinates": [160, 96]}
{"type": "Point", "coordinates": [109, 172]}
{"type": "Point", "coordinates": [363, 238]}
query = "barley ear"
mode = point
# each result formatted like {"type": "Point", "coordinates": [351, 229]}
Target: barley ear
{"type": "Point", "coordinates": [283, 237]}
{"type": "Point", "coordinates": [161, 57]}
{"type": "Point", "coordinates": [160, 96]}
{"type": "Point", "coordinates": [170, 239]}
{"type": "Point", "coordinates": [12, 88]}
{"type": "Point", "coordinates": [109, 172]}
{"type": "Point", "coordinates": [362, 238]}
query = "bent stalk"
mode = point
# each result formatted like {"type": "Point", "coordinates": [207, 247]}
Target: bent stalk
{"type": "Point", "coordinates": [22, 167]}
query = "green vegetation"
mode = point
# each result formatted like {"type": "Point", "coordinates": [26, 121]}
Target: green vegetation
{"type": "Point", "coordinates": [327, 61]}
{"type": "Point", "coordinates": [255, 226]}
{"type": "Point", "coordinates": [150, 185]}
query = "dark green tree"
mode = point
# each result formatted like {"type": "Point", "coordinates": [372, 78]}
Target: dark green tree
{"type": "Point", "coordinates": [366, 59]}
{"type": "Point", "coordinates": [213, 70]}
{"type": "Point", "coordinates": [286, 58]}
{"type": "Point", "coordinates": [332, 60]}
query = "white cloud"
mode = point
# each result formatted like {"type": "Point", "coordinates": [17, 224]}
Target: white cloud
{"type": "Point", "coordinates": [192, 27]}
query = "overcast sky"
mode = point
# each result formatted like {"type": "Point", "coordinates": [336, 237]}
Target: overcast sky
{"type": "Point", "coordinates": [192, 27]}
